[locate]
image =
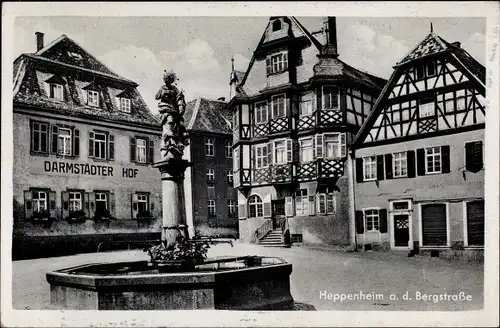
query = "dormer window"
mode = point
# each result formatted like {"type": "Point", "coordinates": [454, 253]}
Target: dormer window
{"type": "Point", "coordinates": [75, 55]}
{"type": "Point", "coordinates": [56, 91]}
{"type": "Point", "coordinates": [277, 63]}
{"type": "Point", "coordinates": [276, 25]}
{"type": "Point", "coordinates": [93, 98]}
{"type": "Point", "coordinates": [425, 70]}
{"type": "Point", "coordinates": [125, 104]}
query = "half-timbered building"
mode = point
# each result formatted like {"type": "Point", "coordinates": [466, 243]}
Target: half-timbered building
{"type": "Point", "coordinates": [419, 155]}
{"type": "Point", "coordinates": [295, 111]}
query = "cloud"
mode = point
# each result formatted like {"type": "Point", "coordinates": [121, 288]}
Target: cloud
{"type": "Point", "coordinates": [241, 62]}
{"type": "Point", "coordinates": [370, 51]}
{"type": "Point", "coordinates": [199, 72]}
{"type": "Point", "coordinates": [475, 44]}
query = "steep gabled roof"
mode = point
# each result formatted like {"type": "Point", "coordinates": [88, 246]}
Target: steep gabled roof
{"type": "Point", "coordinates": [206, 115]}
{"type": "Point", "coordinates": [431, 45]}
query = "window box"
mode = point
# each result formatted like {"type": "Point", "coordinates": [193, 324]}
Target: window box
{"type": "Point", "coordinates": [77, 216]}
{"type": "Point", "coordinates": [145, 216]}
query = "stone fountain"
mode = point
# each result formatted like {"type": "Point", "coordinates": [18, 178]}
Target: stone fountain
{"type": "Point", "coordinates": [230, 283]}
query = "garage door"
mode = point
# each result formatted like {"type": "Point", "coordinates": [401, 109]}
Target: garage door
{"type": "Point", "coordinates": [434, 225]}
{"type": "Point", "coordinates": [475, 223]}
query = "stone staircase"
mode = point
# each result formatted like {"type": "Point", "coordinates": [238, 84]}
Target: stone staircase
{"type": "Point", "coordinates": [273, 238]}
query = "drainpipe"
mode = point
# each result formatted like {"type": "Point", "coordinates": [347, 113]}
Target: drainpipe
{"type": "Point", "coordinates": [352, 215]}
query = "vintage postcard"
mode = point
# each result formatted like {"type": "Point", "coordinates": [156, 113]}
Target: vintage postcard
{"type": "Point", "coordinates": [250, 164]}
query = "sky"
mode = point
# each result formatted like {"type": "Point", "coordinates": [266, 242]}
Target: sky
{"type": "Point", "coordinates": [199, 49]}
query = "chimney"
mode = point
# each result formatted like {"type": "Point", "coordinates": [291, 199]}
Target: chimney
{"type": "Point", "coordinates": [456, 44]}
{"type": "Point", "coordinates": [39, 40]}
{"type": "Point", "coordinates": [330, 27]}
{"type": "Point", "coordinates": [222, 99]}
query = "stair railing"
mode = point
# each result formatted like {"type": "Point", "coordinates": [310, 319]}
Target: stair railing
{"type": "Point", "coordinates": [264, 230]}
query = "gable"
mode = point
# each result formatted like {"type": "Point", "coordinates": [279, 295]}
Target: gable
{"type": "Point", "coordinates": [68, 52]}
{"type": "Point", "coordinates": [432, 44]}
{"type": "Point", "coordinates": [436, 93]}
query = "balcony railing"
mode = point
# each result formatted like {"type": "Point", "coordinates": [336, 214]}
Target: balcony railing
{"type": "Point", "coordinates": [331, 168]}
{"type": "Point", "coordinates": [261, 130]}
{"type": "Point", "coordinates": [279, 124]}
{"type": "Point", "coordinates": [261, 175]}
{"type": "Point", "coordinates": [306, 122]}
{"type": "Point", "coordinates": [327, 117]}
{"type": "Point", "coordinates": [307, 171]}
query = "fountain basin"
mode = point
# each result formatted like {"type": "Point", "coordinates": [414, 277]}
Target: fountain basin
{"type": "Point", "coordinates": [233, 283]}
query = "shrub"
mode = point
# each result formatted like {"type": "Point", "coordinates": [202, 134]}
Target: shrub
{"type": "Point", "coordinates": [184, 250]}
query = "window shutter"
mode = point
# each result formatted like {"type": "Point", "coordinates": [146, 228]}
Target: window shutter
{"type": "Point", "coordinates": [321, 201]}
{"type": "Point", "coordinates": [65, 203]}
{"type": "Point", "coordinates": [55, 133]}
{"type": "Point", "coordinates": [312, 204]}
{"type": "Point", "coordinates": [359, 170]}
{"type": "Point", "coordinates": [288, 206]}
{"type": "Point", "coordinates": [92, 205]}
{"type": "Point", "coordinates": [382, 214]}
{"type": "Point", "coordinates": [314, 147]}
{"type": "Point", "coordinates": [253, 155]}
{"type": "Point", "coordinates": [319, 98]}
{"type": "Point", "coordinates": [388, 166]}
{"type": "Point", "coordinates": [86, 205]}
{"type": "Point", "coordinates": [76, 142]}
{"type": "Point", "coordinates": [112, 205]}
{"type": "Point", "coordinates": [343, 145]}
{"type": "Point", "coordinates": [91, 144]}
{"type": "Point", "coordinates": [267, 209]}
{"type": "Point", "coordinates": [289, 152]}
{"type": "Point", "coordinates": [478, 154]}
{"type": "Point", "coordinates": [319, 146]}
{"type": "Point", "coordinates": [474, 156]}
{"type": "Point", "coordinates": [270, 153]}
{"type": "Point", "coordinates": [268, 65]}
{"type": "Point", "coordinates": [134, 206]}
{"type": "Point", "coordinates": [410, 158]}
{"type": "Point", "coordinates": [285, 60]}
{"type": "Point", "coordinates": [132, 150]}
{"type": "Point", "coordinates": [52, 204]}
{"type": "Point", "coordinates": [380, 167]}
{"type": "Point", "coordinates": [445, 159]}
{"type": "Point", "coordinates": [360, 226]}
{"type": "Point", "coordinates": [111, 147]}
{"type": "Point", "coordinates": [151, 151]}
{"type": "Point", "coordinates": [32, 136]}
{"type": "Point", "coordinates": [28, 206]}
{"type": "Point", "coordinates": [420, 161]}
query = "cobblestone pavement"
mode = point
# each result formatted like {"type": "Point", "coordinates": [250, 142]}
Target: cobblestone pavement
{"type": "Point", "coordinates": [321, 279]}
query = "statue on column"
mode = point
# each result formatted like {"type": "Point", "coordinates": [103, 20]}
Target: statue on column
{"type": "Point", "coordinates": [171, 106]}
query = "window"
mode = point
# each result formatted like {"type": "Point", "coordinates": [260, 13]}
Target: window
{"type": "Point", "coordinates": [474, 156]}
{"type": "Point", "coordinates": [39, 201]}
{"type": "Point", "coordinates": [231, 207]}
{"type": "Point", "coordinates": [326, 201]}
{"type": "Point", "coordinates": [142, 203]}
{"type": "Point", "coordinates": [209, 147]}
{"type": "Point", "coordinates": [56, 91]}
{"type": "Point", "coordinates": [75, 201]}
{"type": "Point", "coordinates": [306, 104]}
{"type": "Point", "coordinates": [255, 207]}
{"type": "Point", "coordinates": [419, 72]}
{"type": "Point", "coordinates": [93, 98]}
{"type": "Point", "coordinates": [210, 177]}
{"type": "Point", "coordinates": [372, 221]}
{"type": "Point", "coordinates": [276, 25]}
{"type": "Point", "coordinates": [278, 106]}
{"type": "Point", "coordinates": [229, 149]}
{"type": "Point", "coordinates": [280, 152]}
{"type": "Point", "coordinates": [433, 160]}
{"type": "Point", "coordinates": [211, 207]}
{"type": "Point", "coordinates": [400, 164]}
{"type": "Point", "coordinates": [332, 146]}
{"type": "Point", "coordinates": [277, 63]}
{"type": "Point", "coordinates": [236, 160]}
{"type": "Point", "coordinates": [64, 142]}
{"type": "Point", "coordinates": [141, 150]}
{"type": "Point", "coordinates": [99, 145]}
{"type": "Point", "coordinates": [431, 69]}
{"type": "Point", "coordinates": [301, 202]}
{"type": "Point", "coordinates": [261, 156]}
{"type": "Point", "coordinates": [39, 137]}
{"type": "Point", "coordinates": [369, 168]}
{"type": "Point", "coordinates": [428, 70]}
{"type": "Point", "coordinates": [330, 98]}
{"type": "Point", "coordinates": [125, 104]}
{"type": "Point", "coordinates": [306, 150]}
{"type": "Point", "coordinates": [230, 177]}
{"type": "Point", "coordinates": [427, 109]}
{"type": "Point", "coordinates": [101, 202]}
{"type": "Point", "coordinates": [261, 112]}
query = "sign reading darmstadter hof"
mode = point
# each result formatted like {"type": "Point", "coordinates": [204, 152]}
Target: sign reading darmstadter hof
{"type": "Point", "coordinates": [62, 167]}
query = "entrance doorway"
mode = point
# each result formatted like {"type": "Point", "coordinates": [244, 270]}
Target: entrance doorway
{"type": "Point", "coordinates": [278, 212]}
{"type": "Point", "coordinates": [401, 224]}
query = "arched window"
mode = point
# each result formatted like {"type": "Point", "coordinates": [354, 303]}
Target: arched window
{"type": "Point", "coordinates": [255, 208]}
{"type": "Point", "coordinates": [276, 25]}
